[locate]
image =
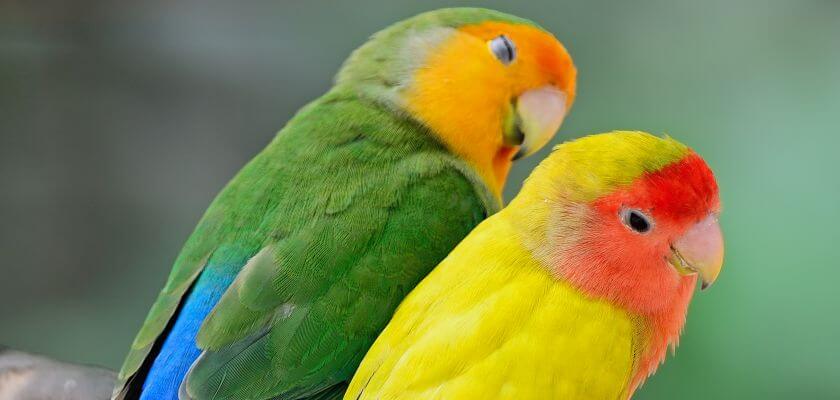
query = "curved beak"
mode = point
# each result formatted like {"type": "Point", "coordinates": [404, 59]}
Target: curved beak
{"type": "Point", "coordinates": [538, 115]}
{"type": "Point", "coordinates": [699, 251]}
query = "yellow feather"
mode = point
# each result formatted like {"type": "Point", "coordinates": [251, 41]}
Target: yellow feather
{"type": "Point", "coordinates": [491, 322]}
{"type": "Point", "coordinates": [585, 169]}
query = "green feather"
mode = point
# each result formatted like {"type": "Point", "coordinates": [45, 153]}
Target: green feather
{"type": "Point", "coordinates": [329, 227]}
{"type": "Point", "coordinates": [340, 216]}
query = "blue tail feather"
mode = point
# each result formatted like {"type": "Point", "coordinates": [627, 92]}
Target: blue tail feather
{"type": "Point", "coordinates": [179, 349]}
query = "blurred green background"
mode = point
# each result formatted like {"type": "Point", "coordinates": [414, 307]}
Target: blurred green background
{"type": "Point", "coordinates": [119, 123]}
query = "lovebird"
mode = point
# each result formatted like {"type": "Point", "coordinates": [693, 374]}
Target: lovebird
{"type": "Point", "coordinates": [573, 291]}
{"type": "Point", "coordinates": [302, 258]}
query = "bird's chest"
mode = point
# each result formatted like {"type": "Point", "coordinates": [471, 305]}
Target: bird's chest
{"type": "Point", "coordinates": [567, 348]}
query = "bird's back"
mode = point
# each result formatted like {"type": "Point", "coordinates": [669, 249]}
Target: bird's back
{"type": "Point", "coordinates": [342, 180]}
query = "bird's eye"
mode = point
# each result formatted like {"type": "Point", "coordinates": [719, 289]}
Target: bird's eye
{"type": "Point", "coordinates": [636, 220]}
{"type": "Point", "coordinates": [503, 48]}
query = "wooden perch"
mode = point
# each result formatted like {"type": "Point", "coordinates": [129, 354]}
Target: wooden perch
{"type": "Point", "coordinates": [30, 377]}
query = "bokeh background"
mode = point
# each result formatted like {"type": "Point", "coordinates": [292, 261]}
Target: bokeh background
{"type": "Point", "coordinates": [119, 122]}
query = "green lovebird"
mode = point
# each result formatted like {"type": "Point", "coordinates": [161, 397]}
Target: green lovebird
{"type": "Point", "coordinates": [300, 261]}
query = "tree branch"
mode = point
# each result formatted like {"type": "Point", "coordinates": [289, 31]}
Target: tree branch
{"type": "Point", "coordinates": [31, 377]}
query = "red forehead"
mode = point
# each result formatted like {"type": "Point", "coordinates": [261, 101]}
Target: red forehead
{"type": "Point", "coordinates": [684, 190]}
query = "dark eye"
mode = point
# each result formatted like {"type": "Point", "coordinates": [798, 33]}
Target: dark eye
{"type": "Point", "coordinates": [503, 48]}
{"type": "Point", "coordinates": [636, 220]}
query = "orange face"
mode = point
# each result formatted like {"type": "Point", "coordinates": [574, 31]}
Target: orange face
{"type": "Point", "coordinates": [492, 89]}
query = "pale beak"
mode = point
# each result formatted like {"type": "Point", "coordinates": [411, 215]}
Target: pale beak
{"type": "Point", "coordinates": [539, 113]}
{"type": "Point", "coordinates": [699, 251]}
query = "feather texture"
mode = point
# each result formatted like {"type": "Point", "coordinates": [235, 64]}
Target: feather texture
{"type": "Point", "coordinates": [554, 296]}
{"type": "Point", "coordinates": [324, 226]}
{"type": "Point", "coordinates": [179, 349]}
{"type": "Point", "coordinates": [491, 322]}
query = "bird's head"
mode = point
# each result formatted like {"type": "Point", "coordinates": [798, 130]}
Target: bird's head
{"type": "Point", "coordinates": [492, 87]}
{"type": "Point", "coordinates": [625, 216]}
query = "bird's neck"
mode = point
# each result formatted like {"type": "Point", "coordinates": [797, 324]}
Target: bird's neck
{"type": "Point", "coordinates": [661, 330]}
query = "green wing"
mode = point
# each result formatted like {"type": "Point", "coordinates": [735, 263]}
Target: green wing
{"type": "Point", "coordinates": [341, 215]}
{"type": "Point", "coordinates": [303, 312]}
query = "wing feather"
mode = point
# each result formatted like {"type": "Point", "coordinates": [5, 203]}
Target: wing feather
{"type": "Point", "coordinates": [331, 225]}
{"type": "Point", "coordinates": [361, 278]}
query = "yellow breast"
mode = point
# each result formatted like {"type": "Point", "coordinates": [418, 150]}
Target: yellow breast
{"type": "Point", "coordinates": [491, 323]}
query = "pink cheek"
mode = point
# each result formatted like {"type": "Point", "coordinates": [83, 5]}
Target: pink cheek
{"type": "Point", "coordinates": [625, 267]}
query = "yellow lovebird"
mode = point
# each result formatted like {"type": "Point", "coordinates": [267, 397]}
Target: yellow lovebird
{"type": "Point", "coordinates": [573, 291]}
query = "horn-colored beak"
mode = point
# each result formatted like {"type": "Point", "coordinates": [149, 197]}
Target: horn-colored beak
{"type": "Point", "coordinates": [539, 114]}
{"type": "Point", "coordinates": [699, 251]}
